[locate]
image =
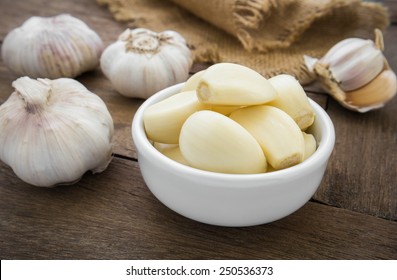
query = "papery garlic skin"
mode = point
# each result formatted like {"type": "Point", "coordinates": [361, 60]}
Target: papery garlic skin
{"type": "Point", "coordinates": [375, 94]}
{"type": "Point", "coordinates": [52, 47]}
{"type": "Point", "coordinates": [143, 62]}
{"type": "Point", "coordinates": [53, 131]}
{"type": "Point", "coordinates": [356, 73]}
{"type": "Point", "coordinates": [354, 62]}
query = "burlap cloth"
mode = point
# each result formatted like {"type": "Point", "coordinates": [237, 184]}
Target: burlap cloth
{"type": "Point", "coordinates": [266, 35]}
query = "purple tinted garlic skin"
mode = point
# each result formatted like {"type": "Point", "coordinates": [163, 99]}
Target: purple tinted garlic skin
{"type": "Point", "coordinates": [52, 47]}
{"type": "Point", "coordinates": [142, 62]}
{"type": "Point", "coordinates": [356, 73]}
{"type": "Point", "coordinates": [53, 131]}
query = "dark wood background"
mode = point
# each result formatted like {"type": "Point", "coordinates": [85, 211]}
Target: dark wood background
{"type": "Point", "coordinates": [113, 215]}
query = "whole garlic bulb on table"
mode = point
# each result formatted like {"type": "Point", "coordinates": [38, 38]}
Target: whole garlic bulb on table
{"type": "Point", "coordinates": [52, 47]}
{"type": "Point", "coordinates": [142, 62]}
{"type": "Point", "coordinates": [356, 73]}
{"type": "Point", "coordinates": [53, 131]}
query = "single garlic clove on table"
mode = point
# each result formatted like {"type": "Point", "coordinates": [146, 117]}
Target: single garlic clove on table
{"type": "Point", "coordinates": [53, 131]}
{"type": "Point", "coordinates": [52, 47]}
{"type": "Point", "coordinates": [213, 142]}
{"type": "Point", "coordinates": [142, 62]}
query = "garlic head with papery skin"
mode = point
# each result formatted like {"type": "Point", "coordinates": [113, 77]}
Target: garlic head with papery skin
{"type": "Point", "coordinates": [53, 131]}
{"type": "Point", "coordinates": [353, 62]}
{"type": "Point", "coordinates": [351, 72]}
{"type": "Point", "coordinates": [142, 62]}
{"type": "Point", "coordinates": [52, 47]}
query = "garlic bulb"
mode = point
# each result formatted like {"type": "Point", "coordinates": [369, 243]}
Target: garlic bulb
{"type": "Point", "coordinates": [53, 131]}
{"type": "Point", "coordinates": [52, 47]}
{"type": "Point", "coordinates": [353, 62]}
{"type": "Point", "coordinates": [355, 66]}
{"type": "Point", "coordinates": [143, 62]}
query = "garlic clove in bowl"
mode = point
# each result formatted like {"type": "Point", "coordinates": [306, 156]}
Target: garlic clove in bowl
{"type": "Point", "coordinates": [53, 131]}
{"type": "Point", "coordinates": [231, 199]}
{"type": "Point", "coordinates": [142, 62]}
{"type": "Point", "coordinates": [356, 73]}
{"type": "Point", "coordinates": [52, 47]}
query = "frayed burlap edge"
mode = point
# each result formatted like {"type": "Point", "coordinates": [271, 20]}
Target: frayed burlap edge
{"type": "Point", "coordinates": [210, 44]}
{"type": "Point", "coordinates": [252, 16]}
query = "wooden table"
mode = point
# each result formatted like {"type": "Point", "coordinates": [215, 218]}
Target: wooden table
{"type": "Point", "coordinates": [113, 215]}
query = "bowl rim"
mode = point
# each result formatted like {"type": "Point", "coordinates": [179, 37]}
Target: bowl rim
{"type": "Point", "coordinates": [322, 153]}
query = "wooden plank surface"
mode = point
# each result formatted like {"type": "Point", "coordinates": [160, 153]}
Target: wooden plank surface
{"type": "Point", "coordinates": [362, 171]}
{"type": "Point", "coordinates": [103, 217]}
{"type": "Point", "coordinates": [113, 215]}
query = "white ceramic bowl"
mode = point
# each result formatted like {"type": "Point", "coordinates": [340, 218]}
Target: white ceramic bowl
{"type": "Point", "coordinates": [231, 199]}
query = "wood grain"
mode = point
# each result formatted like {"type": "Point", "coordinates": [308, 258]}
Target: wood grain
{"type": "Point", "coordinates": [113, 215]}
{"type": "Point", "coordinates": [362, 170]}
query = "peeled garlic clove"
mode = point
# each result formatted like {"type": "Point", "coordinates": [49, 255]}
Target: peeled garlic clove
{"type": "Point", "coordinates": [53, 131]}
{"type": "Point", "coordinates": [225, 110]}
{"type": "Point", "coordinates": [277, 133]}
{"type": "Point", "coordinates": [142, 62]}
{"type": "Point", "coordinates": [53, 47]}
{"type": "Point", "coordinates": [292, 99]}
{"type": "Point", "coordinates": [171, 151]}
{"type": "Point", "coordinates": [234, 84]}
{"type": "Point", "coordinates": [310, 145]}
{"type": "Point", "coordinates": [193, 81]}
{"type": "Point", "coordinates": [375, 94]}
{"type": "Point", "coordinates": [163, 121]}
{"type": "Point", "coordinates": [213, 142]}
